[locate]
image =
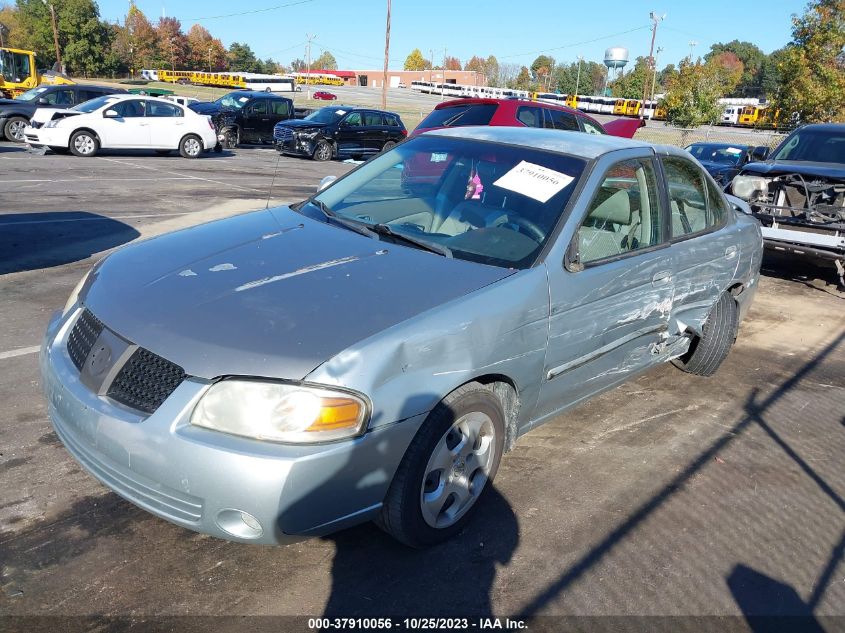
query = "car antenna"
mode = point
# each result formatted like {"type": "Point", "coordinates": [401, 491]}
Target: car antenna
{"type": "Point", "coordinates": [272, 182]}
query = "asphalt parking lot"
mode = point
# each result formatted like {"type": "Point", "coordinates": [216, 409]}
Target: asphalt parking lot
{"type": "Point", "coordinates": [670, 496]}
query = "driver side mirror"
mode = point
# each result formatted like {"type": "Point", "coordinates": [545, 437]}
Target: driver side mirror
{"type": "Point", "coordinates": [325, 182]}
{"type": "Point", "coordinates": [42, 101]}
{"type": "Point", "coordinates": [111, 114]}
{"type": "Point", "coordinates": [572, 259]}
{"type": "Point", "coordinates": [761, 152]}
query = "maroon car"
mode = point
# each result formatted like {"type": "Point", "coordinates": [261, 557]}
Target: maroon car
{"type": "Point", "coordinates": [507, 113]}
{"type": "Point", "coordinates": [325, 96]}
{"type": "Point", "coordinates": [521, 113]}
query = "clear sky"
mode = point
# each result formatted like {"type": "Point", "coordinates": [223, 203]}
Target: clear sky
{"type": "Point", "coordinates": [513, 31]}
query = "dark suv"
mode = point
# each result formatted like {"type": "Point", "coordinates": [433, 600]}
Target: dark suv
{"type": "Point", "coordinates": [16, 113]}
{"type": "Point", "coordinates": [337, 131]}
{"type": "Point", "coordinates": [246, 116]}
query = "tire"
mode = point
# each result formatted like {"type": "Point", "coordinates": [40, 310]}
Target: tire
{"type": "Point", "coordinates": [232, 138]}
{"type": "Point", "coordinates": [388, 146]}
{"type": "Point", "coordinates": [13, 130]}
{"type": "Point", "coordinates": [322, 151]}
{"type": "Point", "coordinates": [163, 152]}
{"type": "Point", "coordinates": [84, 143]}
{"type": "Point", "coordinates": [425, 504]}
{"type": "Point", "coordinates": [709, 350]}
{"type": "Point", "coordinates": [190, 146]}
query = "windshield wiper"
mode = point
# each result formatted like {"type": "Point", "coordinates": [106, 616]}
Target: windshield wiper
{"type": "Point", "coordinates": [385, 229]}
{"type": "Point", "coordinates": [334, 218]}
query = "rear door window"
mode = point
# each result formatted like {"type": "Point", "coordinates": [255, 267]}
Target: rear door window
{"type": "Point", "coordinates": [531, 116]}
{"type": "Point", "coordinates": [158, 109]}
{"type": "Point", "coordinates": [455, 116]}
{"type": "Point", "coordinates": [560, 120]}
{"type": "Point", "coordinates": [373, 119]}
{"type": "Point", "coordinates": [280, 107]}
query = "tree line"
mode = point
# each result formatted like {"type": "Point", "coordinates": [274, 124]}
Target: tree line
{"type": "Point", "coordinates": [92, 47]}
{"type": "Point", "coordinates": [805, 78]}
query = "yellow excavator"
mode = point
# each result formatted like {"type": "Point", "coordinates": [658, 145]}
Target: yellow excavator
{"type": "Point", "coordinates": [18, 73]}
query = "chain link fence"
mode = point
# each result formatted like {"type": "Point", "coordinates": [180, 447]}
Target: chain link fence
{"type": "Point", "coordinates": [681, 137]}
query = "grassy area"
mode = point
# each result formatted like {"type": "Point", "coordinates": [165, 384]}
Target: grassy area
{"type": "Point", "coordinates": [667, 135]}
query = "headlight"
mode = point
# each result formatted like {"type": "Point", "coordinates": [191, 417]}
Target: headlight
{"type": "Point", "coordinates": [278, 412]}
{"type": "Point", "coordinates": [51, 123]}
{"type": "Point", "coordinates": [74, 295]}
{"type": "Point", "coordinates": [745, 186]}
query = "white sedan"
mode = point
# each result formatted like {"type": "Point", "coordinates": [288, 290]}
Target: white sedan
{"type": "Point", "coordinates": [124, 122]}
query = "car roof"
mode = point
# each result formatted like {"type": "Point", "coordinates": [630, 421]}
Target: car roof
{"type": "Point", "coordinates": [831, 127]}
{"type": "Point", "coordinates": [575, 143]}
{"type": "Point", "coordinates": [719, 144]}
{"type": "Point", "coordinates": [506, 100]}
{"type": "Point", "coordinates": [125, 97]}
{"type": "Point", "coordinates": [255, 93]}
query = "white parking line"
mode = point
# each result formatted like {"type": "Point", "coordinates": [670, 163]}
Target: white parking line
{"type": "Point", "coordinates": [22, 351]}
{"type": "Point", "coordinates": [174, 173]}
{"type": "Point", "coordinates": [84, 179]}
{"type": "Point", "coordinates": [116, 217]}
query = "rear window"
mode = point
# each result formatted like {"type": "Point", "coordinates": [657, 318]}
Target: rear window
{"type": "Point", "coordinates": [456, 116]}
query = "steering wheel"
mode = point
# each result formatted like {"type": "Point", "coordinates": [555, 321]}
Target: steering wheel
{"type": "Point", "coordinates": [527, 227]}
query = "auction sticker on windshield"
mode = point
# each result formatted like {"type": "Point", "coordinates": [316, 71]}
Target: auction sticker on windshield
{"type": "Point", "coordinates": [534, 181]}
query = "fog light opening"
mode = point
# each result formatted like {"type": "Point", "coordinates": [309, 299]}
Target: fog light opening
{"type": "Point", "coordinates": [239, 523]}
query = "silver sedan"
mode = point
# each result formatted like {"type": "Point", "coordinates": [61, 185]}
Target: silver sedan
{"type": "Point", "coordinates": [372, 352]}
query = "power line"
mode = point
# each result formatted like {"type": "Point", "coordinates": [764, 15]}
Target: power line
{"type": "Point", "coordinates": [232, 15]}
{"type": "Point", "coordinates": [574, 44]}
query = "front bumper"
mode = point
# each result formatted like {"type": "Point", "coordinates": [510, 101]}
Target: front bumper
{"type": "Point", "coordinates": [46, 137]}
{"type": "Point", "coordinates": [204, 480]}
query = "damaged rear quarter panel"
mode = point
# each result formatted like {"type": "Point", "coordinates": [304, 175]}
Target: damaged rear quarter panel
{"type": "Point", "coordinates": [501, 329]}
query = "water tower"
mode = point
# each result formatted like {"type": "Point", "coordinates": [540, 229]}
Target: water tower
{"type": "Point", "coordinates": [614, 58]}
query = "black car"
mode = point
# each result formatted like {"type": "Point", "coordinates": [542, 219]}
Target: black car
{"type": "Point", "coordinates": [246, 116]}
{"type": "Point", "coordinates": [16, 113]}
{"type": "Point", "coordinates": [723, 160]}
{"type": "Point", "coordinates": [797, 192]}
{"type": "Point", "coordinates": [337, 131]}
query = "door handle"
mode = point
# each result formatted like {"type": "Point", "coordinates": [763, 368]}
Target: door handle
{"type": "Point", "coordinates": [730, 252]}
{"type": "Point", "coordinates": [265, 119]}
{"type": "Point", "coordinates": [663, 277]}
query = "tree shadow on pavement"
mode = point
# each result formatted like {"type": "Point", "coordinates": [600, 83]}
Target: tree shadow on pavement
{"type": "Point", "coordinates": [29, 241]}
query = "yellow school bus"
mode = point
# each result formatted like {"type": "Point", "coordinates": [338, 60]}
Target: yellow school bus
{"type": "Point", "coordinates": [632, 107]}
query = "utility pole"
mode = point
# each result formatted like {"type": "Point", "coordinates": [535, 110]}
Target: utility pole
{"type": "Point", "coordinates": [209, 59]}
{"type": "Point", "coordinates": [655, 20]}
{"type": "Point", "coordinates": [55, 33]}
{"type": "Point", "coordinates": [443, 83]}
{"type": "Point", "coordinates": [308, 66]}
{"type": "Point", "coordinates": [386, 57]}
{"type": "Point", "coordinates": [692, 45]}
{"type": "Point", "coordinates": [654, 82]}
{"type": "Point", "coordinates": [578, 76]}
{"type": "Point", "coordinates": [2, 28]}
{"type": "Point", "coordinates": [172, 57]}
{"type": "Point", "coordinates": [430, 65]}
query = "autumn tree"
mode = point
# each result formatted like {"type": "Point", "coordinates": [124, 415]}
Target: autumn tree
{"type": "Point", "coordinates": [416, 61]}
{"type": "Point", "coordinates": [632, 84]}
{"type": "Point", "coordinates": [752, 58]}
{"type": "Point", "coordinates": [204, 50]}
{"type": "Point", "coordinates": [692, 95]}
{"type": "Point", "coordinates": [452, 63]}
{"type": "Point", "coordinates": [10, 31]}
{"type": "Point", "coordinates": [173, 48]}
{"type": "Point", "coordinates": [812, 68]}
{"type": "Point", "coordinates": [298, 65]}
{"type": "Point", "coordinates": [325, 61]}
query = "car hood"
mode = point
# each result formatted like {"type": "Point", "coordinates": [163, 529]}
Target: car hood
{"type": "Point", "coordinates": [301, 124]}
{"type": "Point", "coordinates": [42, 115]}
{"type": "Point", "coordinates": [270, 293]}
{"type": "Point", "coordinates": [15, 104]}
{"type": "Point", "coordinates": [716, 168]}
{"type": "Point", "coordinates": [805, 168]}
{"type": "Point", "coordinates": [208, 107]}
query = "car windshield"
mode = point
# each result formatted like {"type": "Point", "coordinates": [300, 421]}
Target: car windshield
{"type": "Point", "coordinates": [723, 154]}
{"type": "Point", "coordinates": [459, 115]}
{"type": "Point", "coordinates": [94, 104]}
{"type": "Point", "coordinates": [32, 94]}
{"type": "Point", "coordinates": [479, 201]}
{"type": "Point", "coordinates": [233, 101]}
{"type": "Point", "coordinates": [817, 145]}
{"type": "Point", "coordinates": [326, 115]}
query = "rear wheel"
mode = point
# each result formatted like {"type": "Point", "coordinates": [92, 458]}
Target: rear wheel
{"type": "Point", "coordinates": [709, 350]}
{"type": "Point", "coordinates": [388, 146]}
{"type": "Point", "coordinates": [84, 143]}
{"type": "Point", "coordinates": [446, 469]}
{"type": "Point", "coordinates": [322, 151]}
{"type": "Point", "coordinates": [13, 130]}
{"type": "Point", "coordinates": [190, 146]}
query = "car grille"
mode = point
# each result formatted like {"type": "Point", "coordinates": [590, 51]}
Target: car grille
{"type": "Point", "coordinates": [145, 381]}
{"type": "Point", "coordinates": [82, 337]}
{"type": "Point", "coordinates": [282, 133]}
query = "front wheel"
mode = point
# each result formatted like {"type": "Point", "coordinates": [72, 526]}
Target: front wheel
{"type": "Point", "coordinates": [13, 130]}
{"type": "Point", "coordinates": [322, 151]}
{"type": "Point", "coordinates": [190, 146]}
{"type": "Point", "coordinates": [84, 143]}
{"type": "Point", "coordinates": [709, 350]}
{"type": "Point", "coordinates": [388, 146]}
{"type": "Point", "coordinates": [446, 469]}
